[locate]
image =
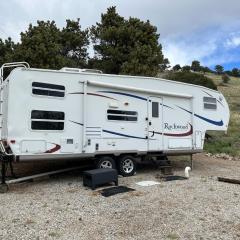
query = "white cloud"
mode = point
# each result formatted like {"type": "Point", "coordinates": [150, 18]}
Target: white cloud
{"type": "Point", "coordinates": [233, 41]}
{"type": "Point", "coordinates": [171, 17]}
{"type": "Point", "coordinates": [183, 24]}
{"type": "Point", "coordinates": [182, 16]}
{"type": "Point", "coordinates": [183, 52]}
{"type": "Point", "coordinates": [212, 46]}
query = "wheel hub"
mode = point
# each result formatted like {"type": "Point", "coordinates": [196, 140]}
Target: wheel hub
{"type": "Point", "coordinates": [106, 164]}
{"type": "Point", "coordinates": [128, 165]}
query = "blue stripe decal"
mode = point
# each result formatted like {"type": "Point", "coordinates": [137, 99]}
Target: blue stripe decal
{"type": "Point", "coordinates": [166, 106]}
{"type": "Point", "coordinates": [131, 95]}
{"type": "Point", "coordinates": [207, 93]}
{"type": "Point", "coordinates": [217, 123]}
{"type": "Point", "coordinates": [121, 134]}
{"type": "Point", "coordinates": [76, 122]}
{"type": "Point", "coordinates": [115, 133]}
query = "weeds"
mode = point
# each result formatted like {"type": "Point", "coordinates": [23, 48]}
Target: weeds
{"type": "Point", "coordinates": [172, 236]}
{"type": "Point", "coordinates": [227, 143]}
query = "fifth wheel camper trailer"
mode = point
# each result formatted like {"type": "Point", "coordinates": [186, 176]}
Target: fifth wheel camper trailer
{"type": "Point", "coordinates": [75, 113]}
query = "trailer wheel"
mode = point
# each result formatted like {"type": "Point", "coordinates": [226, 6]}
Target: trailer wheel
{"type": "Point", "coordinates": [106, 162]}
{"type": "Point", "coordinates": [127, 166]}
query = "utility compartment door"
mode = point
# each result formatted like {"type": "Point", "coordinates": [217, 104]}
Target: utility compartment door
{"type": "Point", "coordinates": [155, 124]}
{"type": "Point", "coordinates": [33, 146]}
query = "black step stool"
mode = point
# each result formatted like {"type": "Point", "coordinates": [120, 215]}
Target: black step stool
{"type": "Point", "coordinates": [93, 178]}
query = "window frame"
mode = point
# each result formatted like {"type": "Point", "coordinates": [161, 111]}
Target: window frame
{"type": "Point", "coordinates": [47, 120]}
{"type": "Point", "coordinates": [133, 115]}
{"type": "Point", "coordinates": [57, 89]}
{"type": "Point", "coordinates": [210, 101]}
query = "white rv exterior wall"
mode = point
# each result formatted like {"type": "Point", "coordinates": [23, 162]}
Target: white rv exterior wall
{"type": "Point", "coordinates": [181, 126]}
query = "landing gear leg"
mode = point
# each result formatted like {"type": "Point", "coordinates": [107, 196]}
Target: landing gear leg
{"type": "Point", "coordinates": [3, 185]}
{"type": "Point", "coordinates": [191, 161]}
{"type": "Point", "coordinates": [11, 169]}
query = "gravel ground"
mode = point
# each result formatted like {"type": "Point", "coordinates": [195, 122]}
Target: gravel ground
{"type": "Point", "coordinates": [61, 208]}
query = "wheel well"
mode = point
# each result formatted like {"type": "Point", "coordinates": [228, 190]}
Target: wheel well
{"type": "Point", "coordinates": [116, 157]}
{"type": "Point", "coordinates": [129, 154]}
{"type": "Point", "coordinates": [105, 155]}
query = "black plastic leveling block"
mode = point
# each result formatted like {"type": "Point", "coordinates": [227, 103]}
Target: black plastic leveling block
{"type": "Point", "coordinates": [93, 178]}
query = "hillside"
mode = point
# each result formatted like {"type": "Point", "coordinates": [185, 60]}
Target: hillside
{"type": "Point", "coordinates": [230, 142]}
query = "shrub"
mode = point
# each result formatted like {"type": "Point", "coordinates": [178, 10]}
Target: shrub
{"type": "Point", "coordinates": [192, 78]}
{"type": "Point", "coordinates": [225, 78]}
{"type": "Point", "coordinates": [186, 68]}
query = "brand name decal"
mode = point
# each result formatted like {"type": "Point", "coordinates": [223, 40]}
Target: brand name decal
{"type": "Point", "coordinates": [175, 126]}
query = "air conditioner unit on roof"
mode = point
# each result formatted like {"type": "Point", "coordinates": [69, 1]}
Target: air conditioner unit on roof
{"type": "Point", "coordinates": [79, 70]}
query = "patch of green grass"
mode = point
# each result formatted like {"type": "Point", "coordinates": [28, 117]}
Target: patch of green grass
{"type": "Point", "coordinates": [172, 236]}
{"type": "Point", "coordinates": [211, 189]}
{"type": "Point", "coordinates": [227, 143]}
{"type": "Point", "coordinates": [53, 234]}
{"type": "Point", "coordinates": [203, 179]}
{"type": "Point", "coordinates": [222, 144]}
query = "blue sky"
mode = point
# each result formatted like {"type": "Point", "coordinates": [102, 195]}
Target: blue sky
{"type": "Point", "coordinates": [205, 30]}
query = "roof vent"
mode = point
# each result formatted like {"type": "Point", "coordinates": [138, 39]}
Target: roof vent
{"type": "Point", "coordinates": [79, 70]}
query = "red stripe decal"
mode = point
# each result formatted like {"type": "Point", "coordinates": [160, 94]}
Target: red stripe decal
{"type": "Point", "coordinates": [176, 134]}
{"type": "Point", "coordinates": [54, 149]}
{"type": "Point", "coordinates": [94, 94]}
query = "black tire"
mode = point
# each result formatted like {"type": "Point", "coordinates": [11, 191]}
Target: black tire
{"type": "Point", "coordinates": [127, 166]}
{"type": "Point", "coordinates": [106, 162]}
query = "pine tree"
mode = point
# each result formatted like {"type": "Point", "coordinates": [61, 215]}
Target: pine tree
{"type": "Point", "coordinates": [126, 46]}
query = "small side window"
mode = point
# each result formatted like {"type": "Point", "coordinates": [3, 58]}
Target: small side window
{"type": "Point", "coordinates": [121, 115]}
{"type": "Point", "coordinates": [46, 89]}
{"type": "Point", "coordinates": [44, 125]}
{"type": "Point", "coordinates": [155, 109]}
{"type": "Point", "coordinates": [210, 103]}
{"type": "Point", "coordinates": [47, 120]}
{"type": "Point", "coordinates": [210, 106]}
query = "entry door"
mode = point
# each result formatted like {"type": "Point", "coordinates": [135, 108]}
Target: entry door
{"type": "Point", "coordinates": [155, 137]}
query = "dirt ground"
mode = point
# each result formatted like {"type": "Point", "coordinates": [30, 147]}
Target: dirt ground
{"type": "Point", "coordinates": [61, 208]}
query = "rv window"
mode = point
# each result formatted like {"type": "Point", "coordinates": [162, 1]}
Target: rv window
{"type": "Point", "coordinates": [210, 106]}
{"type": "Point", "coordinates": [121, 115]}
{"type": "Point", "coordinates": [53, 115]}
{"type": "Point", "coordinates": [121, 112]}
{"type": "Point", "coordinates": [42, 125]}
{"type": "Point", "coordinates": [210, 103]}
{"type": "Point", "coordinates": [209, 100]}
{"type": "Point", "coordinates": [47, 93]}
{"type": "Point", "coordinates": [47, 120]}
{"type": "Point", "coordinates": [48, 85]}
{"type": "Point", "coordinates": [46, 89]}
{"type": "Point", "coordinates": [122, 118]}
{"type": "Point", "coordinates": [155, 109]}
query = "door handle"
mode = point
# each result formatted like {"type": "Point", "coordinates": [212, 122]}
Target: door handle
{"type": "Point", "coordinates": [150, 123]}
